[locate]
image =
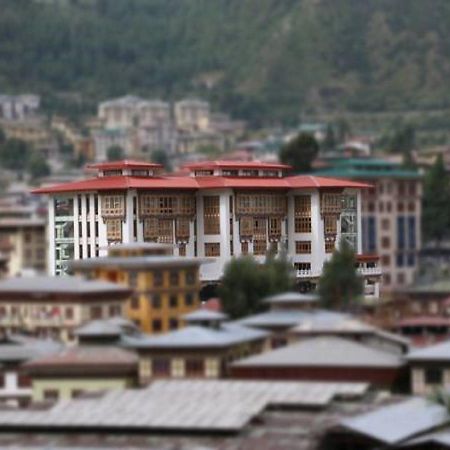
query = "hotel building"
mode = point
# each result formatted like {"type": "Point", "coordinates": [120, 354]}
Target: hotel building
{"type": "Point", "coordinates": [220, 209]}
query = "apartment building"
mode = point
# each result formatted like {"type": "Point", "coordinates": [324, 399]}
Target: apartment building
{"type": "Point", "coordinates": [192, 115]}
{"type": "Point", "coordinates": [220, 210]}
{"type": "Point", "coordinates": [390, 215]}
{"type": "Point", "coordinates": [165, 286]}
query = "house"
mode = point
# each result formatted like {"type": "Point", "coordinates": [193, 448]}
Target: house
{"type": "Point", "coordinates": [54, 306]}
{"type": "Point", "coordinates": [221, 209]}
{"type": "Point", "coordinates": [326, 358]}
{"type": "Point", "coordinates": [164, 286]}
{"type": "Point", "coordinates": [74, 371]}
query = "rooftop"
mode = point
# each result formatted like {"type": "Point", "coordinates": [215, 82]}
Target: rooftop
{"type": "Point", "coordinates": [226, 164]}
{"type": "Point", "coordinates": [438, 352]}
{"type": "Point", "coordinates": [124, 164]}
{"type": "Point", "coordinates": [14, 351]}
{"type": "Point", "coordinates": [396, 423]}
{"type": "Point", "coordinates": [291, 298]}
{"type": "Point", "coordinates": [180, 406]}
{"type": "Point", "coordinates": [205, 315]}
{"type": "Point", "coordinates": [198, 337]}
{"type": "Point", "coordinates": [324, 352]}
{"type": "Point", "coordinates": [41, 284]}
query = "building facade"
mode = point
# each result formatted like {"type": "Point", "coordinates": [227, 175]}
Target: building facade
{"type": "Point", "coordinates": [391, 215]}
{"type": "Point", "coordinates": [222, 209]}
{"type": "Point", "coordinates": [164, 286]}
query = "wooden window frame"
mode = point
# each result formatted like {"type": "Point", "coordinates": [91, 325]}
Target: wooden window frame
{"type": "Point", "coordinates": [302, 225]}
{"type": "Point", "coordinates": [212, 249]}
{"type": "Point", "coordinates": [303, 247]}
{"type": "Point", "coordinates": [211, 214]}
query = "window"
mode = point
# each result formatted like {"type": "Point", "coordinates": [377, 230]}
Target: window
{"type": "Point", "coordinates": [165, 231]}
{"type": "Point", "coordinates": [274, 227]}
{"type": "Point", "coordinates": [190, 277]}
{"type": "Point", "coordinates": [412, 232]}
{"type": "Point", "coordinates": [211, 214]}
{"type": "Point", "coordinates": [161, 367]}
{"type": "Point", "coordinates": [400, 259]}
{"type": "Point", "coordinates": [156, 301]}
{"type": "Point", "coordinates": [173, 324]}
{"type": "Point", "coordinates": [412, 188]}
{"type": "Point", "coordinates": [182, 229]}
{"type": "Point", "coordinates": [259, 247]}
{"type": "Point", "coordinates": [411, 206]}
{"type": "Point", "coordinates": [158, 279]}
{"type": "Point", "coordinates": [156, 325]}
{"type": "Point", "coordinates": [194, 367]}
{"type": "Point", "coordinates": [400, 207]}
{"type": "Point", "coordinates": [151, 229]}
{"type": "Point", "coordinates": [302, 247]}
{"type": "Point", "coordinates": [189, 299]}
{"type": "Point", "coordinates": [259, 228]}
{"type": "Point", "coordinates": [386, 242]}
{"type": "Point", "coordinates": [113, 205]}
{"type": "Point", "coordinates": [173, 301]}
{"type": "Point", "coordinates": [401, 233]}
{"type": "Point", "coordinates": [182, 249]}
{"type": "Point", "coordinates": [302, 206]}
{"type": "Point", "coordinates": [401, 278]}
{"type": "Point", "coordinates": [51, 394]}
{"type": "Point", "coordinates": [386, 260]}
{"type": "Point", "coordinates": [244, 248]}
{"type": "Point", "coordinates": [386, 279]}
{"type": "Point", "coordinates": [331, 203]}
{"type": "Point", "coordinates": [96, 312]}
{"type": "Point", "coordinates": [68, 312]}
{"type": "Point", "coordinates": [63, 207]}
{"type": "Point", "coordinates": [411, 259]}
{"type": "Point", "coordinates": [261, 204]}
{"type": "Point", "coordinates": [330, 224]}
{"type": "Point", "coordinates": [246, 226]}
{"type": "Point", "coordinates": [114, 229]}
{"type": "Point", "coordinates": [330, 245]}
{"type": "Point", "coordinates": [303, 267]}
{"type": "Point", "coordinates": [386, 224]}
{"type": "Point", "coordinates": [134, 302]}
{"type": "Point", "coordinates": [433, 375]}
{"type": "Point", "coordinates": [303, 224]}
{"type": "Point", "coordinates": [174, 278]}
{"type": "Point", "coordinates": [212, 249]}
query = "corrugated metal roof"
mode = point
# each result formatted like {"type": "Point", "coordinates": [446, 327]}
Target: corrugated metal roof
{"type": "Point", "coordinates": [438, 352]}
{"type": "Point", "coordinates": [292, 297]}
{"type": "Point", "coordinates": [204, 314]}
{"type": "Point", "coordinates": [324, 352]}
{"type": "Point", "coordinates": [395, 423]}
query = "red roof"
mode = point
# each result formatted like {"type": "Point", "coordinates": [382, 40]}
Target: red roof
{"type": "Point", "coordinates": [228, 164]}
{"type": "Point", "coordinates": [367, 257]}
{"type": "Point", "coordinates": [124, 164]}
{"type": "Point", "coordinates": [184, 182]}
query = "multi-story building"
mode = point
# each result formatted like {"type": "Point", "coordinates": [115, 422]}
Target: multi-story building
{"type": "Point", "coordinates": [221, 209]}
{"type": "Point", "coordinates": [192, 115]}
{"type": "Point", "coordinates": [54, 306]}
{"type": "Point", "coordinates": [18, 107]}
{"type": "Point", "coordinates": [391, 215]}
{"type": "Point", "coordinates": [164, 286]}
{"type": "Point", "coordinates": [24, 233]}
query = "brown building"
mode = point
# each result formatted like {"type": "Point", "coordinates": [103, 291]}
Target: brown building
{"type": "Point", "coordinates": [330, 359]}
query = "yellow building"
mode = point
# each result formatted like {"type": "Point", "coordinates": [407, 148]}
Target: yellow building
{"type": "Point", "coordinates": [165, 286]}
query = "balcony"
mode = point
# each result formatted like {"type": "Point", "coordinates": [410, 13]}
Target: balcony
{"type": "Point", "coordinates": [367, 271]}
{"type": "Point", "coordinates": [367, 265]}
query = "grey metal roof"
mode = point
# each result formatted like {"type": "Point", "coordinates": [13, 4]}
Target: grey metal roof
{"type": "Point", "coordinates": [180, 405]}
{"type": "Point", "coordinates": [132, 262]}
{"type": "Point", "coordinates": [439, 438]}
{"type": "Point", "coordinates": [395, 423]}
{"type": "Point", "coordinates": [140, 245]}
{"type": "Point", "coordinates": [324, 352]}
{"type": "Point", "coordinates": [438, 352]}
{"type": "Point", "coordinates": [41, 284]}
{"type": "Point", "coordinates": [292, 298]}
{"type": "Point", "coordinates": [198, 337]}
{"type": "Point", "coordinates": [203, 314]}
{"type": "Point", "coordinates": [114, 326]}
{"type": "Point", "coordinates": [28, 350]}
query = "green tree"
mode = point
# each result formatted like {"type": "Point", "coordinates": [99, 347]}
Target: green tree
{"type": "Point", "coordinates": [37, 166]}
{"type": "Point", "coordinates": [403, 140]}
{"type": "Point", "coordinates": [160, 157]}
{"type": "Point", "coordinates": [300, 152]}
{"type": "Point", "coordinates": [246, 282]}
{"type": "Point", "coordinates": [329, 142]}
{"type": "Point", "coordinates": [14, 154]}
{"type": "Point", "coordinates": [115, 153]}
{"type": "Point", "coordinates": [2, 136]}
{"type": "Point", "coordinates": [436, 203]}
{"type": "Point", "coordinates": [340, 286]}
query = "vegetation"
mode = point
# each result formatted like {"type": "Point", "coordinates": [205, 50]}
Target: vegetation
{"type": "Point", "coordinates": [115, 153]}
{"type": "Point", "coordinates": [340, 286]}
{"type": "Point", "coordinates": [246, 282]}
{"type": "Point", "coordinates": [160, 157]}
{"type": "Point", "coordinates": [259, 59]}
{"type": "Point", "coordinates": [300, 152]}
{"type": "Point", "coordinates": [436, 203]}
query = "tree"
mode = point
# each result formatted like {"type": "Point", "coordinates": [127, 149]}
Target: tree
{"type": "Point", "coordinates": [246, 282]}
{"type": "Point", "coordinates": [300, 152]}
{"type": "Point", "coordinates": [436, 204]}
{"type": "Point", "coordinates": [160, 157]}
{"type": "Point", "coordinates": [37, 166]}
{"type": "Point", "coordinates": [14, 154]}
{"type": "Point", "coordinates": [403, 140]}
{"type": "Point", "coordinates": [340, 285]}
{"type": "Point", "coordinates": [329, 142]}
{"type": "Point", "coordinates": [115, 153]}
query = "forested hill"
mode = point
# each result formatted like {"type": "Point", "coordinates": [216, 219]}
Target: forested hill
{"type": "Point", "coordinates": [254, 58]}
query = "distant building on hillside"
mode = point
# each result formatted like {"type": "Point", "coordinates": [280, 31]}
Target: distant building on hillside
{"type": "Point", "coordinates": [192, 115]}
{"type": "Point", "coordinates": [18, 107]}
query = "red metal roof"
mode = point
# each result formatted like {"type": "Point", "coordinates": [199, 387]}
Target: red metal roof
{"type": "Point", "coordinates": [126, 163]}
{"type": "Point", "coordinates": [228, 164]}
{"type": "Point", "coordinates": [183, 182]}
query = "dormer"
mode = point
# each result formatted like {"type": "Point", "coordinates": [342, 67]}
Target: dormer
{"type": "Point", "coordinates": [237, 169]}
{"type": "Point", "coordinates": [127, 168]}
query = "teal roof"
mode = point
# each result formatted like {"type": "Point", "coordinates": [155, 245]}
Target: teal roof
{"type": "Point", "coordinates": [367, 168]}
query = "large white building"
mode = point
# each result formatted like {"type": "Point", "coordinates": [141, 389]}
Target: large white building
{"type": "Point", "coordinates": [18, 107]}
{"type": "Point", "coordinates": [221, 209]}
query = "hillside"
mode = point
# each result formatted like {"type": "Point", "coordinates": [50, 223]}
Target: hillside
{"type": "Point", "coordinates": [259, 59]}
